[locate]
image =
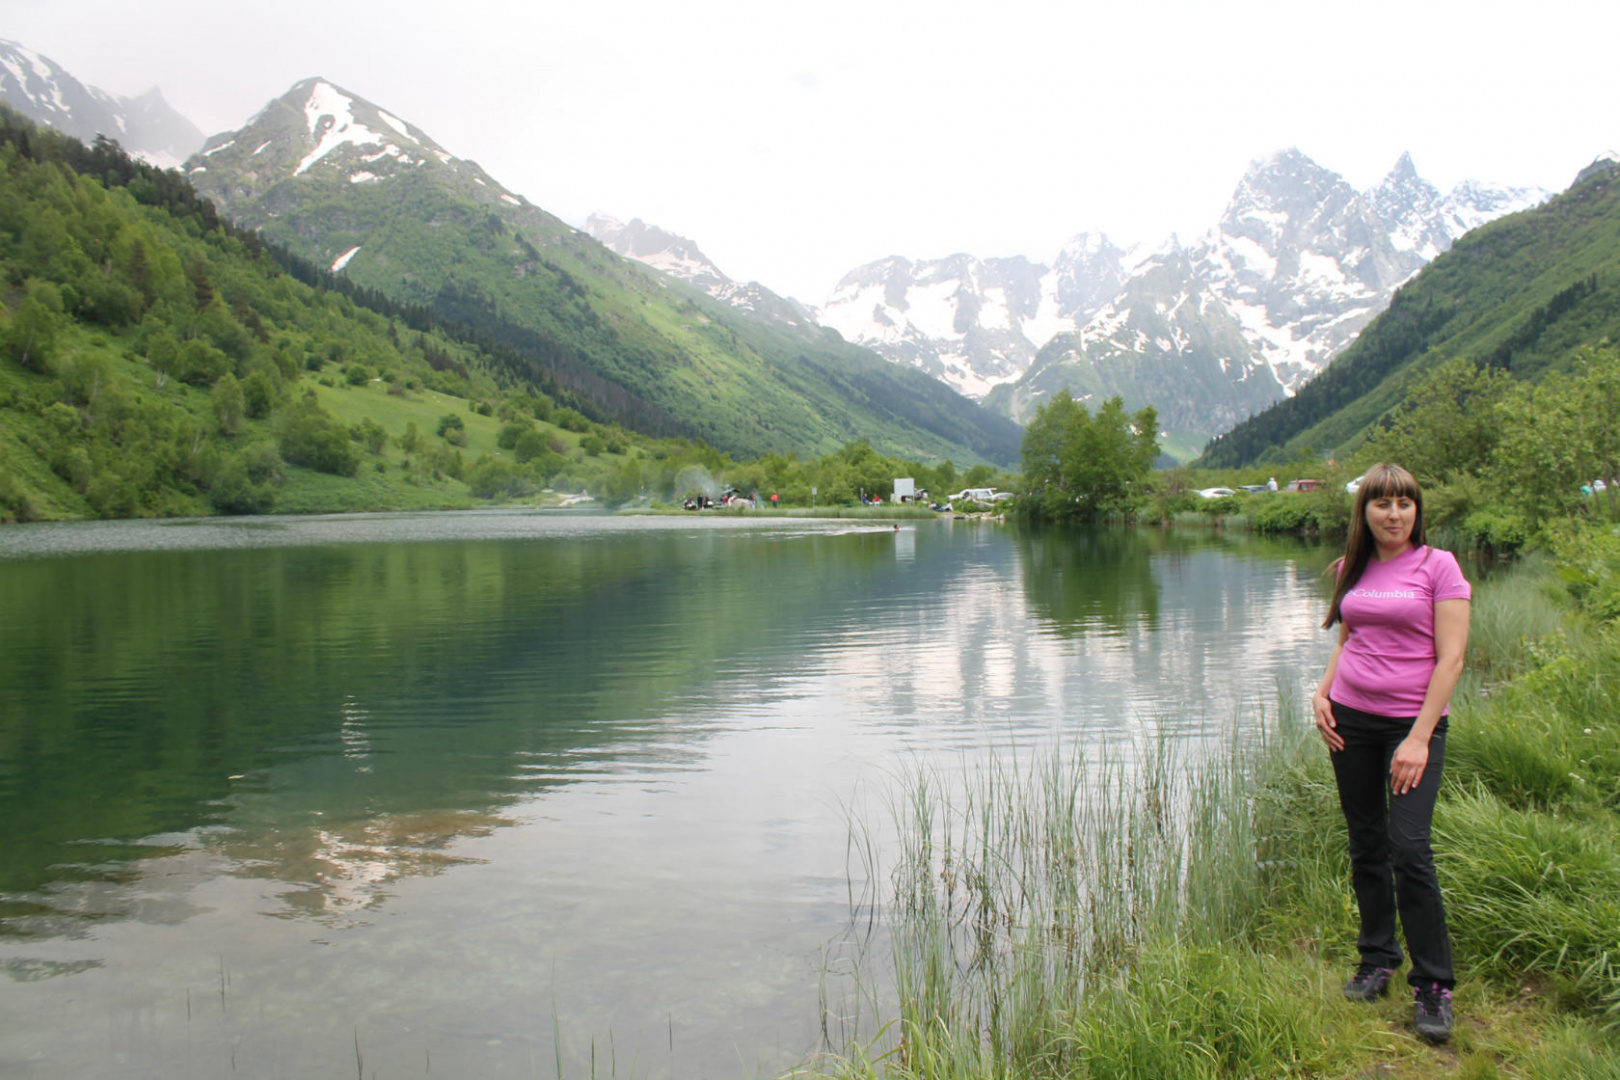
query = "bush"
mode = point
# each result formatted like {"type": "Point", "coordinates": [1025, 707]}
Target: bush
{"type": "Point", "coordinates": [308, 436]}
{"type": "Point", "coordinates": [511, 432]}
{"type": "Point", "coordinates": [450, 422]}
{"type": "Point", "coordinates": [199, 363]}
{"type": "Point", "coordinates": [1494, 530]}
{"type": "Point", "coordinates": [356, 375]}
{"type": "Point", "coordinates": [258, 394]}
{"type": "Point", "coordinates": [1285, 514]}
{"type": "Point", "coordinates": [232, 490]}
{"type": "Point", "coordinates": [569, 420]}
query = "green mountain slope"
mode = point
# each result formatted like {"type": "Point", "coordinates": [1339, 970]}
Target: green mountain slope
{"type": "Point", "coordinates": [350, 186]}
{"type": "Point", "coordinates": [1521, 294]}
{"type": "Point", "coordinates": [155, 360]}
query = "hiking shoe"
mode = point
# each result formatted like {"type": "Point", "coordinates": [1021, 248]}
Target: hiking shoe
{"type": "Point", "coordinates": [1369, 983]}
{"type": "Point", "coordinates": [1433, 1012]}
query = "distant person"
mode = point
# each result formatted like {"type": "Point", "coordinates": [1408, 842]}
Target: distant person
{"type": "Point", "coordinates": [1271, 485]}
{"type": "Point", "coordinates": [1402, 611]}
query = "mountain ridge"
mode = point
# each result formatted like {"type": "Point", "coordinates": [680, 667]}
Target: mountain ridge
{"type": "Point", "coordinates": [1522, 293]}
{"type": "Point", "coordinates": [145, 125]}
{"type": "Point", "coordinates": [356, 188]}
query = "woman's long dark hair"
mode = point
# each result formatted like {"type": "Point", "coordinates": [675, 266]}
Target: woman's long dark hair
{"type": "Point", "coordinates": [1382, 481]}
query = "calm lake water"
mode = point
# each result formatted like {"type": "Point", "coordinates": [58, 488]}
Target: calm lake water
{"type": "Point", "coordinates": [431, 789]}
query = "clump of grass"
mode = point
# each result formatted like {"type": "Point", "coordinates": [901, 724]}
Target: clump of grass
{"type": "Point", "coordinates": [1531, 893]}
{"type": "Point", "coordinates": [1021, 892]}
{"type": "Point", "coordinates": [1513, 610]}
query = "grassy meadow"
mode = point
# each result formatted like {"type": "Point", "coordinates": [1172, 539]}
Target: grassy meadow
{"type": "Point", "coordinates": [1068, 918]}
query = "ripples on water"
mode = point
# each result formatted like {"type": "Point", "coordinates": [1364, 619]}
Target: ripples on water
{"type": "Point", "coordinates": [442, 783]}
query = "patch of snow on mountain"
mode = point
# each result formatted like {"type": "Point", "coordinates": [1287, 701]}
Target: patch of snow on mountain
{"type": "Point", "coordinates": [325, 102]}
{"type": "Point", "coordinates": [396, 123]}
{"type": "Point", "coordinates": [1049, 320]}
{"type": "Point", "coordinates": [343, 260]}
{"type": "Point", "coordinates": [262, 147]}
{"type": "Point", "coordinates": [509, 199]}
{"type": "Point", "coordinates": [995, 313]}
{"type": "Point", "coordinates": [361, 177]}
{"type": "Point", "coordinates": [221, 146]}
{"type": "Point", "coordinates": [932, 309]}
{"type": "Point", "coordinates": [1255, 258]}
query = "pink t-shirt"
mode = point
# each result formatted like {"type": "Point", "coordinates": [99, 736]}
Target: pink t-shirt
{"type": "Point", "coordinates": [1388, 659]}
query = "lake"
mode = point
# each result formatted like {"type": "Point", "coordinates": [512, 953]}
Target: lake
{"type": "Point", "coordinates": [471, 794]}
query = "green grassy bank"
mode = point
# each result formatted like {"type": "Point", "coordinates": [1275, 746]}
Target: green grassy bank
{"type": "Point", "coordinates": [1176, 918]}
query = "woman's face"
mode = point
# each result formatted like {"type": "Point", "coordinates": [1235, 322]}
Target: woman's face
{"type": "Point", "coordinates": [1391, 518]}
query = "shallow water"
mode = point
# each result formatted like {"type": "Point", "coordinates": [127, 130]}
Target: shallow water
{"type": "Point", "coordinates": [420, 791]}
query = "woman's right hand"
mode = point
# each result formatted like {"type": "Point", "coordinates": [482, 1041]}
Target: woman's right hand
{"type": "Point", "coordinates": [1324, 721]}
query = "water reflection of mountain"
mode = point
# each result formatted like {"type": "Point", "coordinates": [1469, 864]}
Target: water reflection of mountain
{"type": "Point", "coordinates": [347, 712]}
{"type": "Point", "coordinates": [336, 717]}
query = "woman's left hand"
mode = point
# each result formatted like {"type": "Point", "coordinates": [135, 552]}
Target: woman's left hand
{"type": "Point", "coordinates": [1407, 765]}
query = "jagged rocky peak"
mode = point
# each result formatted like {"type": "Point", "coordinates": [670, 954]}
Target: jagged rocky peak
{"type": "Point", "coordinates": [1605, 162]}
{"type": "Point", "coordinates": [1089, 271]}
{"type": "Point", "coordinates": [145, 125]}
{"type": "Point", "coordinates": [674, 255]}
{"type": "Point", "coordinates": [680, 258]}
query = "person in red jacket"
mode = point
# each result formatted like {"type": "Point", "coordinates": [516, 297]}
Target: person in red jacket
{"type": "Point", "coordinates": [1402, 612]}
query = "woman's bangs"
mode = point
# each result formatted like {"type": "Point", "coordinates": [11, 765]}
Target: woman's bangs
{"type": "Point", "coordinates": [1389, 481]}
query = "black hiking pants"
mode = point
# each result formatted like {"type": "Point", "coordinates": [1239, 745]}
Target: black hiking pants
{"type": "Point", "coordinates": [1391, 862]}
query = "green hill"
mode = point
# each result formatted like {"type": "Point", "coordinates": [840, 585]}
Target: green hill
{"type": "Point", "coordinates": [156, 360]}
{"type": "Point", "coordinates": [1520, 294]}
{"type": "Point", "coordinates": [348, 186]}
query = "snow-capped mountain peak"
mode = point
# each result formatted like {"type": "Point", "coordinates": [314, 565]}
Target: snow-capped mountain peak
{"type": "Point", "coordinates": [145, 125]}
{"type": "Point", "coordinates": [318, 128]}
{"type": "Point", "coordinates": [674, 255]}
{"type": "Point", "coordinates": [1297, 264]}
{"type": "Point", "coordinates": [681, 258]}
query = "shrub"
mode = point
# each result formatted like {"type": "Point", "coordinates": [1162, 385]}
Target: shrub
{"type": "Point", "coordinates": [450, 422]}
{"type": "Point", "coordinates": [232, 489]}
{"type": "Point", "coordinates": [1494, 530]}
{"type": "Point", "coordinates": [308, 436]}
{"type": "Point", "coordinates": [356, 374]}
{"type": "Point", "coordinates": [1284, 514]}
{"type": "Point", "coordinates": [510, 434]}
{"type": "Point", "coordinates": [258, 394]}
{"type": "Point", "coordinates": [569, 420]}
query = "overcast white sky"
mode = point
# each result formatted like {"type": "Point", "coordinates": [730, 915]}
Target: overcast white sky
{"type": "Point", "coordinates": [795, 140]}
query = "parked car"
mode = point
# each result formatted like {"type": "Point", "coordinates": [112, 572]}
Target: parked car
{"type": "Point", "coordinates": [1254, 489]}
{"type": "Point", "coordinates": [1216, 493]}
{"type": "Point", "coordinates": [1354, 486]}
{"type": "Point", "coordinates": [1303, 485]}
{"type": "Point", "coordinates": [976, 494]}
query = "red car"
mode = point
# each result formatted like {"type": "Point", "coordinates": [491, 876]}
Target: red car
{"type": "Point", "coordinates": [1302, 485]}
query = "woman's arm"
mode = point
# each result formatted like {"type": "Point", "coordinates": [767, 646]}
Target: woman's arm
{"type": "Point", "coordinates": [1450, 642]}
{"type": "Point", "coordinates": [1319, 701]}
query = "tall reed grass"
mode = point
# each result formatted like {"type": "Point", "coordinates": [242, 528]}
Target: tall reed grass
{"type": "Point", "coordinates": [1064, 915]}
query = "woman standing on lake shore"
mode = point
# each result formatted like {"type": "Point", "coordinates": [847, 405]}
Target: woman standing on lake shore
{"type": "Point", "coordinates": [1402, 610]}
